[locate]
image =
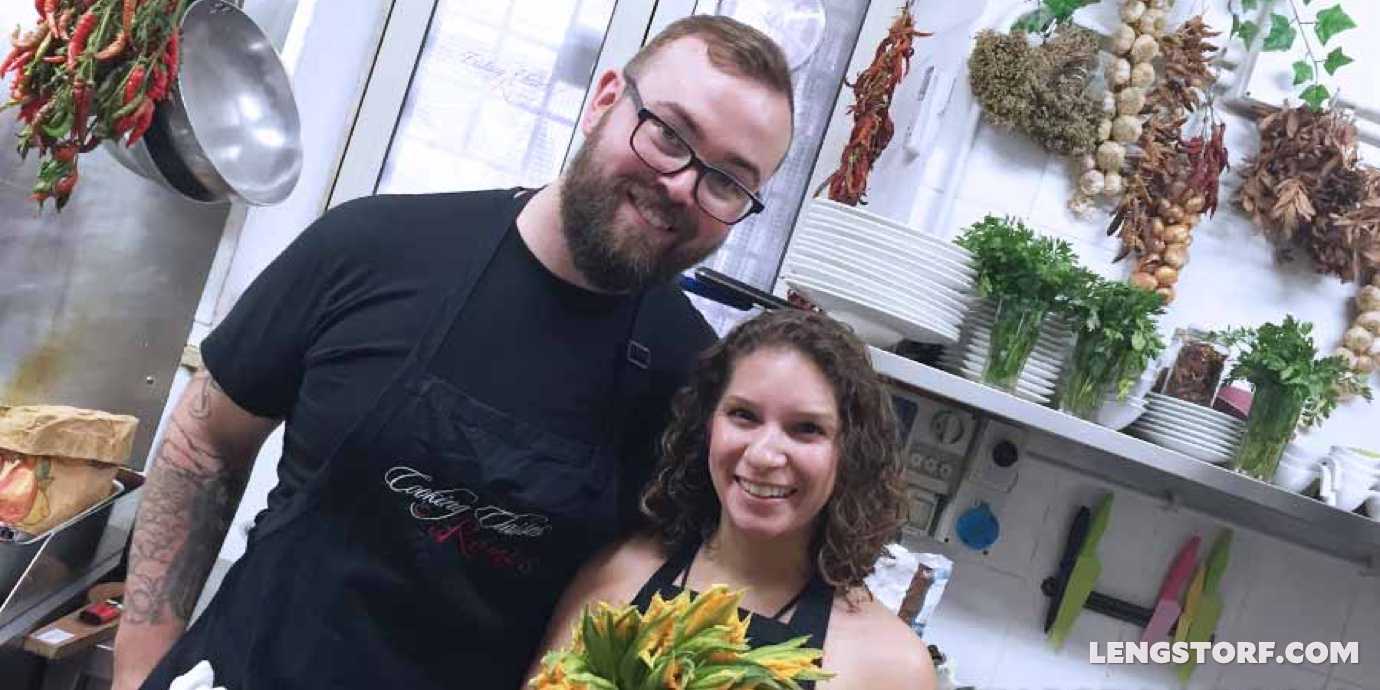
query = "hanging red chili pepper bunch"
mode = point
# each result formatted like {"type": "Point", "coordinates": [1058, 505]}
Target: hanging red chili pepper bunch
{"type": "Point", "coordinates": [872, 126]}
{"type": "Point", "coordinates": [90, 70]}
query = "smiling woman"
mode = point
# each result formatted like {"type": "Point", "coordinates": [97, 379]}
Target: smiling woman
{"type": "Point", "coordinates": [779, 476]}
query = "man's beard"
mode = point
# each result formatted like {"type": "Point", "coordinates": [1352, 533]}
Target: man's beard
{"type": "Point", "coordinates": [619, 259]}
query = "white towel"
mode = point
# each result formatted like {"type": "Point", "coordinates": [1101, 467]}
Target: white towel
{"type": "Point", "coordinates": [201, 677]}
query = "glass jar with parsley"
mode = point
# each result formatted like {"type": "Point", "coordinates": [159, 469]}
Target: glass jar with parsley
{"type": "Point", "coordinates": [1293, 388]}
{"type": "Point", "coordinates": [1027, 276]}
{"type": "Point", "coordinates": [1116, 339]}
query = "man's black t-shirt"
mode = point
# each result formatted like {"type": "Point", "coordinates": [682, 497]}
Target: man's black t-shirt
{"type": "Point", "coordinates": [323, 329]}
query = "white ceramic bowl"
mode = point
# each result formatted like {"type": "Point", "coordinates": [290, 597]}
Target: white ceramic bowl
{"type": "Point", "coordinates": [1293, 478]}
{"type": "Point", "coordinates": [1119, 414]}
{"type": "Point", "coordinates": [1373, 506]}
{"type": "Point", "coordinates": [1356, 456]}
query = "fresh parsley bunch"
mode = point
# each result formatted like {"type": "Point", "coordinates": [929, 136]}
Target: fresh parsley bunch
{"type": "Point", "coordinates": [1284, 355]}
{"type": "Point", "coordinates": [1014, 264]}
{"type": "Point", "coordinates": [1117, 335]}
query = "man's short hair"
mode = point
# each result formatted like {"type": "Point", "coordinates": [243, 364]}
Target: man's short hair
{"type": "Point", "coordinates": [734, 47]}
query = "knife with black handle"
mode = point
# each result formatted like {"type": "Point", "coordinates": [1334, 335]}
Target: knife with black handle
{"type": "Point", "coordinates": [716, 286]}
{"type": "Point", "coordinates": [1078, 533]}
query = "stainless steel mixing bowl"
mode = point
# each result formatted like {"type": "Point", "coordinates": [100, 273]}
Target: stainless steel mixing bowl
{"type": "Point", "coordinates": [230, 128]}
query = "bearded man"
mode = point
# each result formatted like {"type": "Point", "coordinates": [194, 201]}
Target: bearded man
{"type": "Point", "coordinates": [472, 385]}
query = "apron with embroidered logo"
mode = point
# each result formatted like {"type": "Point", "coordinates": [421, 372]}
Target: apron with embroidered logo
{"type": "Point", "coordinates": [431, 547]}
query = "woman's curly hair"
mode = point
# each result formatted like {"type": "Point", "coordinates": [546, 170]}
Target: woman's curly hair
{"type": "Point", "coordinates": [868, 503]}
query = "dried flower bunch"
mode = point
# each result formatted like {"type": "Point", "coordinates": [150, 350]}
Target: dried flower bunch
{"type": "Point", "coordinates": [872, 126]}
{"type": "Point", "coordinates": [1309, 191]}
{"type": "Point", "coordinates": [1175, 179]}
{"type": "Point", "coordinates": [1042, 90]}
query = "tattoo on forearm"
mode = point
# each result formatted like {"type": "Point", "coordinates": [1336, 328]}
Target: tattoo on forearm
{"type": "Point", "coordinates": [185, 512]}
{"type": "Point", "coordinates": [202, 385]}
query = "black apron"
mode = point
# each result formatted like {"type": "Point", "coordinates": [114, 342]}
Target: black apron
{"type": "Point", "coordinates": [812, 605]}
{"type": "Point", "coordinates": [432, 546]}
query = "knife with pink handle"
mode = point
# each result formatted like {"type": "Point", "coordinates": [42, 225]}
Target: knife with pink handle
{"type": "Point", "coordinates": [1167, 609]}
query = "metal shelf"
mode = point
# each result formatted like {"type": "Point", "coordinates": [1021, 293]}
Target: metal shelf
{"type": "Point", "coordinates": [1150, 469]}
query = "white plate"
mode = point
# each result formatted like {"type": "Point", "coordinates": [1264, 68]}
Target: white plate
{"type": "Point", "coordinates": [882, 297]}
{"type": "Point", "coordinates": [1047, 357]}
{"type": "Point", "coordinates": [1049, 330]}
{"type": "Point", "coordinates": [1207, 445]}
{"type": "Point", "coordinates": [1188, 449]}
{"type": "Point", "coordinates": [1027, 374]}
{"type": "Point", "coordinates": [1193, 410]}
{"type": "Point", "coordinates": [1189, 431]}
{"type": "Point", "coordinates": [1022, 390]}
{"type": "Point", "coordinates": [873, 325]}
{"type": "Point", "coordinates": [1032, 369]}
{"type": "Point", "coordinates": [1177, 428]}
{"type": "Point", "coordinates": [888, 259]}
{"type": "Point", "coordinates": [944, 269]}
{"type": "Point", "coordinates": [1033, 383]}
{"type": "Point", "coordinates": [1174, 416]}
{"type": "Point", "coordinates": [909, 282]}
{"type": "Point", "coordinates": [912, 241]}
{"type": "Point", "coordinates": [883, 302]}
{"type": "Point", "coordinates": [925, 298]}
{"type": "Point", "coordinates": [826, 207]}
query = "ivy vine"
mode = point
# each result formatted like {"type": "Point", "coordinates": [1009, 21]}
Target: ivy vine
{"type": "Point", "coordinates": [1285, 30]}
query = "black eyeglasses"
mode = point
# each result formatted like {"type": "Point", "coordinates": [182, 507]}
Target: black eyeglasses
{"type": "Point", "coordinates": [662, 149]}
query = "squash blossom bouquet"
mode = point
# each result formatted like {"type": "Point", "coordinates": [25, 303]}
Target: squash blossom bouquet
{"type": "Point", "coordinates": [680, 644]}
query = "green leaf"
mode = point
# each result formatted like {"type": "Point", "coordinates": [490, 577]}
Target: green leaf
{"type": "Point", "coordinates": [1303, 72]}
{"type": "Point", "coordinates": [1336, 60]}
{"type": "Point", "coordinates": [1281, 35]}
{"type": "Point", "coordinates": [1034, 22]}
{"type": "Point", "coordinates": [1064, 9]}
{"type": "Point", "coordinates": [1248, 31]}
{"type": "Point", "coordinates": [1315, 96]}
{"type": "Point", "coordinates": [1331, 22]}
{"type": "Point", "coordinates": [1248, 5]}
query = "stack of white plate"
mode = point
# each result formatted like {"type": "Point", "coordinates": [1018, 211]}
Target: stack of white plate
{"type": "Point", "coordinates": [1041, 373]}
{"type": "Point", "coordinates": [888, 281]}
{"type": "Point", "coordinates": [1194, 430]}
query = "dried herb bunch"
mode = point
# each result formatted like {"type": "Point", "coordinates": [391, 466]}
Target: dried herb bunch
{"type": "Point", "coordinates": [1042, 90]}
{"type": "Point", "coordinates": [1309, 191]}
{"type": "Point", "coordinates": [872, 126]}
{"type": "Point", "coordinates": [1175, 178]}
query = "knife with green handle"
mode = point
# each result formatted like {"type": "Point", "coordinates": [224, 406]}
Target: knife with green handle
{"type": "Point", "coordinates": [1204, 623]}
{"type": "Point", "coordinates": [1086, 570]}
{"type": "Point", "coordinates": [1195, 594]}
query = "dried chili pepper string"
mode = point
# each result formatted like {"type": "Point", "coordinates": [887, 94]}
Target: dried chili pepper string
{"type": "Point", "coordinates": [872, 125]}
{"type": "Point", "coordinates": [74, 74]}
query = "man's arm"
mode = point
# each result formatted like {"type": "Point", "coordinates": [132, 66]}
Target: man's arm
{"type": "Point", "coordinates": [202, 466]}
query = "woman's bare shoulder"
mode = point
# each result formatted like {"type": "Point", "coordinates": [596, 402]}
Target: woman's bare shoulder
{"type": "Point", "coordinates": [619, 570]}
{"type": "Point", "coordinates": [869, 647]}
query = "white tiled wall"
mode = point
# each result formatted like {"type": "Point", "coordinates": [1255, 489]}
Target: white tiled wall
{"type": "Point", "coordinates": [990, 619]}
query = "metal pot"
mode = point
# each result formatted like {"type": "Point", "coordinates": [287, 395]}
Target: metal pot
{"type": "Point", "coordinates": [230, 128]}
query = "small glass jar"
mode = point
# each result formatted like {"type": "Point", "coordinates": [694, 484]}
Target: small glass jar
{"type": "Point", "coordinates": [1196, 368]}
